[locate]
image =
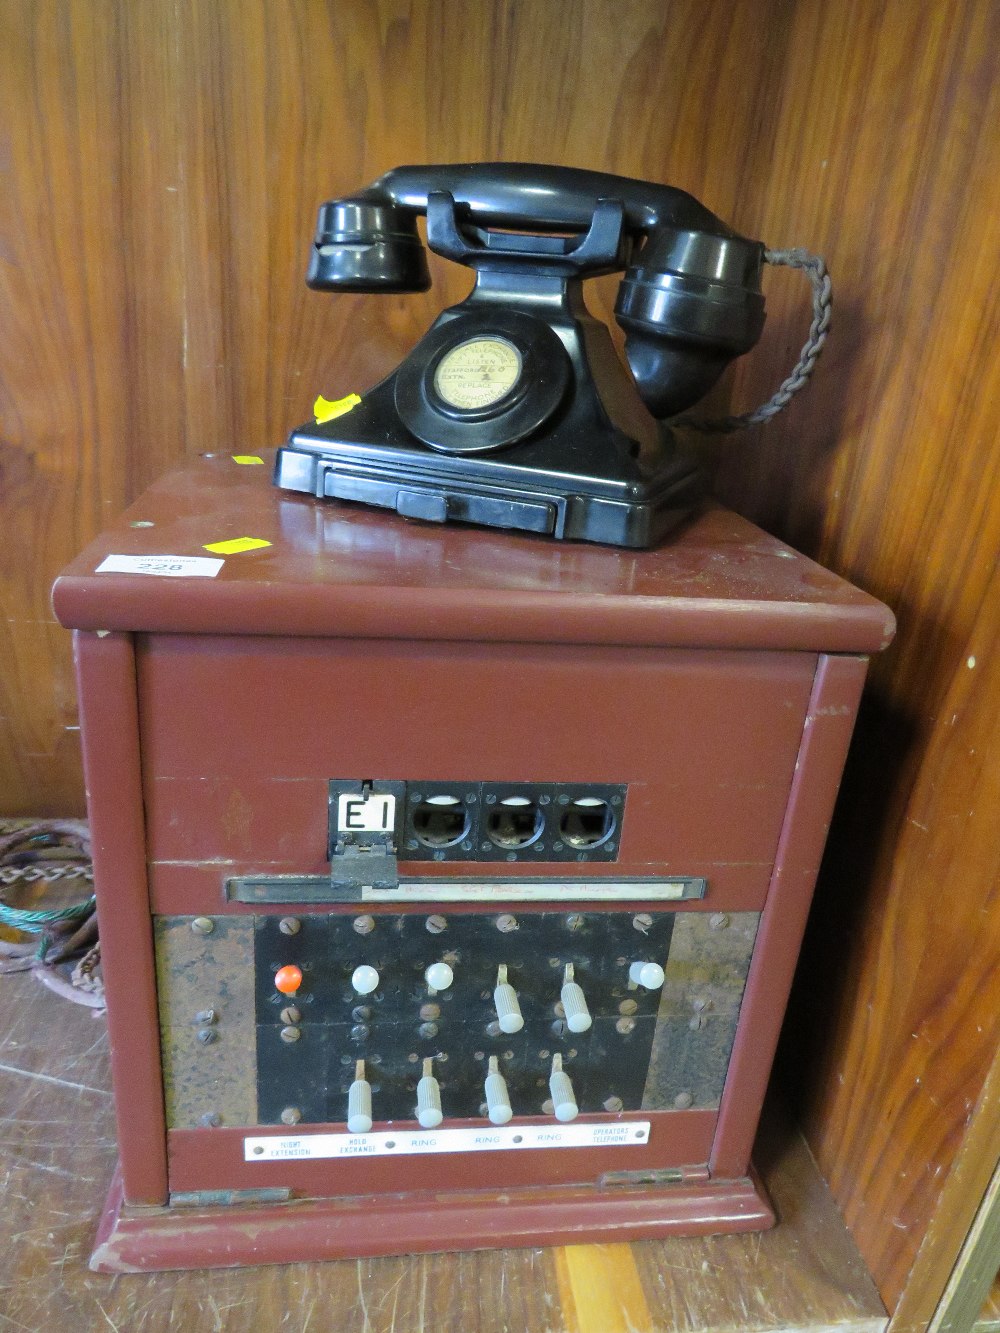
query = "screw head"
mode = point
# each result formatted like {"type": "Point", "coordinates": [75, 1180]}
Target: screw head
{"type": "Point", "coordinates": [613, 1104]}
{"type": "Point", "coordinates": [625, 1025]}
{"type": "Point", "coordinates": [718, 921]}
{"type": "Point", "coordinates": [363, 925]}
{"type": "Point", "coordinates": [206, 1016]}
{"type": "Point", "coordinates": [207, 1035]}
{"type": "Point", "coordinates": [575, 921]}
{"type": "Point", "coordinates": [203, 925]}
{"type": "Point", "coordinates": [628, 1007]}
{"type": "Point", "coordinates": [290, 1034]}
{"type": "Point", "coordinates": [291, 1115]}
{"type": "Point", "coordinates": [436, 924]}
{"type": "Point", "coordinates": [428, 1030]}
{"type": "Point", "coordinates": [289, 925]}
{"type": "Point", "coordinates": [211, 1120]}
{"type": "Point", "coordinates": [506, 922]}
{"type": "Point", "coordinates": [290, 1015]}
{"type": "Point", "coordinates": [642, 922]}
{"type": "Point", "coordinates": [683, 1100]}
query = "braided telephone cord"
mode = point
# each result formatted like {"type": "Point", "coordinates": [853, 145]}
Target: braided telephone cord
{"type": "Point", "coordinates": [815, 269]}
{"type": "Point", "coordinates": [49, 874]}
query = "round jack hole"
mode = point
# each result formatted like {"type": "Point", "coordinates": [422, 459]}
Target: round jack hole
{"type": "Point", "coordinates": [514, 822]}
{"type": "Point", "coordinates": [440, 821]}
{"type": "Point", "coordinates": [587, 822]}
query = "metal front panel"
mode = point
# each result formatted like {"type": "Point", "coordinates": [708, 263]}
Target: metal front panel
{"type": "Point", "coordinates": [208, 1079]}
{"type": "Point", "coordinates": [645, 1050]}
{"type": "Point", "coordinates": [699, 1008]}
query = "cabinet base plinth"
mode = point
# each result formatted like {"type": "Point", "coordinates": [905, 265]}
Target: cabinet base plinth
{"type": "Point", "coordinates": [140, 1239]}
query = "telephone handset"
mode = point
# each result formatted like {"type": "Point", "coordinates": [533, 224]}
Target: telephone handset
{"type": "Point", "coordinates": [515, 410]}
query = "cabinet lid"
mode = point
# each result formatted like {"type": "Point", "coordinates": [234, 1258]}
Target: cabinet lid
{"type": "Point", "coordinates": [334, 569]}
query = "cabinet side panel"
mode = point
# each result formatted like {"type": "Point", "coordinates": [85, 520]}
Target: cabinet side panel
{"type": "Point", "coordinates": [826, 735]}
{"type": "Point", "coordinates": [110, 723]}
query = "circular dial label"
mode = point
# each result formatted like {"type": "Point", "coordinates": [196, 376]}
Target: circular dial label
{"type": "Point", "coordinates": [477, 373]}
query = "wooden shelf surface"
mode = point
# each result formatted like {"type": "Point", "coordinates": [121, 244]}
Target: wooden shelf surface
{"type": "Point", "coordinates": [56, 1158]}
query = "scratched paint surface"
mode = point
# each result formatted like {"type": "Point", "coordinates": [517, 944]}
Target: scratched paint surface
{"type": "Point", "coordinates": [56, 1158]}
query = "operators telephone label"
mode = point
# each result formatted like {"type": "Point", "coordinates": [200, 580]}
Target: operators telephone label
{"type": "Point", "coordinates": [618, 1134]}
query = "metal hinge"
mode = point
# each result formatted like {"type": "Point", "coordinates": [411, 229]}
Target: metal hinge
{"type": "Point", "coordinates": [228, 1198]}
{"type": "Point", "coordinates": [670, 1175]}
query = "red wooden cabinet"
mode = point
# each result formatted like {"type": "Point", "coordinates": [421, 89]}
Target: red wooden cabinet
{"type": "Point", "coordinates": [587, 761]}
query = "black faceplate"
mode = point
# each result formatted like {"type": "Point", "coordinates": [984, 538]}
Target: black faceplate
{"type": "Point", "coordinates": [401, 1023]}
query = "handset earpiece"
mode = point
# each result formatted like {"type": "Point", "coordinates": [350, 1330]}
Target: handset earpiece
{"type": "Point", "coordinates": [367, 245]}
{"type": "Point", "coordinates": [689, 305]}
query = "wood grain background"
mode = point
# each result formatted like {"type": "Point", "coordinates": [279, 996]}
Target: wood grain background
{"type": "Point", "coordinates": [160, 166]}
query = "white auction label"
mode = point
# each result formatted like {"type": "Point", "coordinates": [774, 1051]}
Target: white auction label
{"type": "Point", "coordinates": [373, 814]}
{"type": "Point", "coordinates": [384, 1143]}
{"type": "Point", "coordinates": [164, 566]}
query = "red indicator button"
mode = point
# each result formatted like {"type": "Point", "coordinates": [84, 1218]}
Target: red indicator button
{"type": "Point", "coordinates": [288, 979]}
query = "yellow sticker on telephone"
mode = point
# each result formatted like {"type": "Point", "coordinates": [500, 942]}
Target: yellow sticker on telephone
{"type": "Point", "coordinates": [235, 545]}
{"type": "Point", "coordinates": [246, 458]}
{"type": "Point", "coordinates": [325, 411]}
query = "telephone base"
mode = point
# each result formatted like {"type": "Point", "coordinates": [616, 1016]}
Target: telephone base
{"type": "Point", "coordinates": [441, 488]}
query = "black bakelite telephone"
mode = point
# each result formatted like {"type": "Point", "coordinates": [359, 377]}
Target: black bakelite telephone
{"type": "Point", "coordinates": [514, 410]}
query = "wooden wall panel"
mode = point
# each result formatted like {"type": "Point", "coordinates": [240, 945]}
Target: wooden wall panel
{"type": "Point", "coordinates": [160, 166]}
{"type": "Point", "coordinates": [888, 160]}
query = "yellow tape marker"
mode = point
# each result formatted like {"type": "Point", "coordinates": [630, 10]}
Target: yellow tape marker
{"type": "Point", "coordinates": [246, 458]}
{"type": "Point", "coordinates": [235, 545]}
{"type": "Point", "coordinates": [325, 411]}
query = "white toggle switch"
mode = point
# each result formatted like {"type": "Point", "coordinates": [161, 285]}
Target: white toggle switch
{"type": "Point", "coordinates": [564, 1105]}
{"type": "Point", "coordinates": [364, 979]}
{"type": "Point", "coordinates": [439, 976]}
{"type": "Point", "coordinates": [648, 975]}
{"type": "Point", "coordinates": [505, 1000]}
{"type": "Point", "coordinates": [574, 1003]}
{"type": "Point", "coordinates": [359, 1102]}
{"type": "Point", "coordinates": [429, 1099]}
{"type": "Point", "coordinates": [497, 1096]}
